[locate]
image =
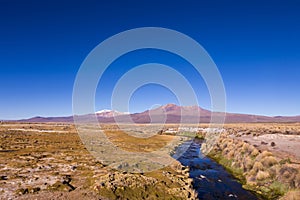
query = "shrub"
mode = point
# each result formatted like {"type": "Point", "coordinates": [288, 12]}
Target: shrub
{"type": "Point", "coordinates": [278, 189]}
{"type": "Point", "coordinates": [297, 181]}
{"type": "Point", "coordinates": [245, 147]}
{"type": "Point", "coordinates": [266, 153]}
{"type": "Point", "coordinates": [269, 161]}
{"type": "Point", "coordinates": [288, 175]}
{"type": "Point", "coordinates": [230, 154]}
{"type": "Point", "coordinates": [248, 164]}
{"type": "Point", "coordinates": [254, 152]}
{"type": "Point", "coordinates": [257, 166]}
{"type": "Point", "coordinates": [261, 175]}
{"type": "Point", "coordinates": [263, 155]}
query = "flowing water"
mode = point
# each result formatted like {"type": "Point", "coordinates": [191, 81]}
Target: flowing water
{"type": "Point", "coordinates": [210, 179]}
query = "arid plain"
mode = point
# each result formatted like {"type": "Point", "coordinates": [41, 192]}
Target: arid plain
{"type": "Point", "coordinates": [49, 161]}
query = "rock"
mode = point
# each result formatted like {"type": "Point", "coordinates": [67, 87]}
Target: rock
{"type": "Point", "coordinates": [34, 190]}
{"type": "Point", "coordinates": [3, 178]}
{"type": "Point", "coordinates": [263, 143]}
{"type": "Point", "coordinates": [22, 191]}
{"type": "Point", "coordinates": [273, 144]}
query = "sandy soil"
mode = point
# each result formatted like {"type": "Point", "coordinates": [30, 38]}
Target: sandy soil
{"type": "Point", "coordinates": [284, 144]}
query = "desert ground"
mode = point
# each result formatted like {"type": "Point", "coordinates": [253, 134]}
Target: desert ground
{"type": "Point", "coordinates": [49, 161]}
{"type": "Point", "coordinates": [282, 139]}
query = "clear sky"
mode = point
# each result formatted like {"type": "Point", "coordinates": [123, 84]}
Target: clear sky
{"type": "Point", "coordinates": [255, 44]}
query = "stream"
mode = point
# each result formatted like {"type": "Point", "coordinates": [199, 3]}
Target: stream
{"type": "Point", "coordinates": [210, 179]}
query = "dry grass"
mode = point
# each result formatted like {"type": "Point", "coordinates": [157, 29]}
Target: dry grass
{"type": "Point", "coordinates": [289, 175]}
{"type": "Point", "coordinates": [291, 195]}
{"type": "Point", "coordinates": [264, 170]}
{"type": "Point", "coordinates": [36, 158]}
{"type": "Point", "coordinates": [269, 161]}
{"type": "Point", "coordinates": [248, 163]}
{"type": "Point", "coordinates": [133, 144]}
{"type": "Point", "coordinates": [254, 153]}
{"type": "Point", "coordinates": [265, 154]}
{"type": "Point", "coordinates": [262, 175]}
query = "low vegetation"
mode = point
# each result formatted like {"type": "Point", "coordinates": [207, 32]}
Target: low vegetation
{"type": "Point", "coordinates": [49, 161]}
{"type": "Point", "coordinates": [44, 161]}
{"type": "Point", "coordinates": [258, 169]}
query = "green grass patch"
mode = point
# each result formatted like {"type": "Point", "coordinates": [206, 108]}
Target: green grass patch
{"type": "Point", "coordinates": [227, 164]}
{"type": "Point", "coordinates": [278, 189]}
{"type": "Point", "coordinates": [284, 161]}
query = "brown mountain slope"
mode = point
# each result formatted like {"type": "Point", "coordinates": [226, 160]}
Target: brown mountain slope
{"type": "Point", "coordinates": [171, 113]}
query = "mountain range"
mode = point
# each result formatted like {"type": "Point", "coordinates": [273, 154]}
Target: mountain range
{"type": "Point", "coordinates": [169, 113]}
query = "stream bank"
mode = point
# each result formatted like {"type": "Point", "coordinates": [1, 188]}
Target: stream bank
{"type": "Point", "coordinates": [210, 179]}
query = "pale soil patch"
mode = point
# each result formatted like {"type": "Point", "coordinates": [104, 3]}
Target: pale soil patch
{"type": "Point", "coordinates": [284, 144]}
{"type": "Point", "coordinates": [37, 130]}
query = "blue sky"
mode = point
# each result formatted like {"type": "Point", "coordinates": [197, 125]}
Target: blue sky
{"type": "Point", "coordinates": [255, 45]}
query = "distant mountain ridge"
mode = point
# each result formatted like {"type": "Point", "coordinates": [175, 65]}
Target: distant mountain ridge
{"type": "Point", "coordinates": [169, 113]}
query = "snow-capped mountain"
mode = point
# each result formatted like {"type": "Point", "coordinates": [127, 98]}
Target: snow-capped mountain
{"type": "Point", "coordinates": [109, 113]}
{"type": "Point", "coordinates": [171, 113]}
